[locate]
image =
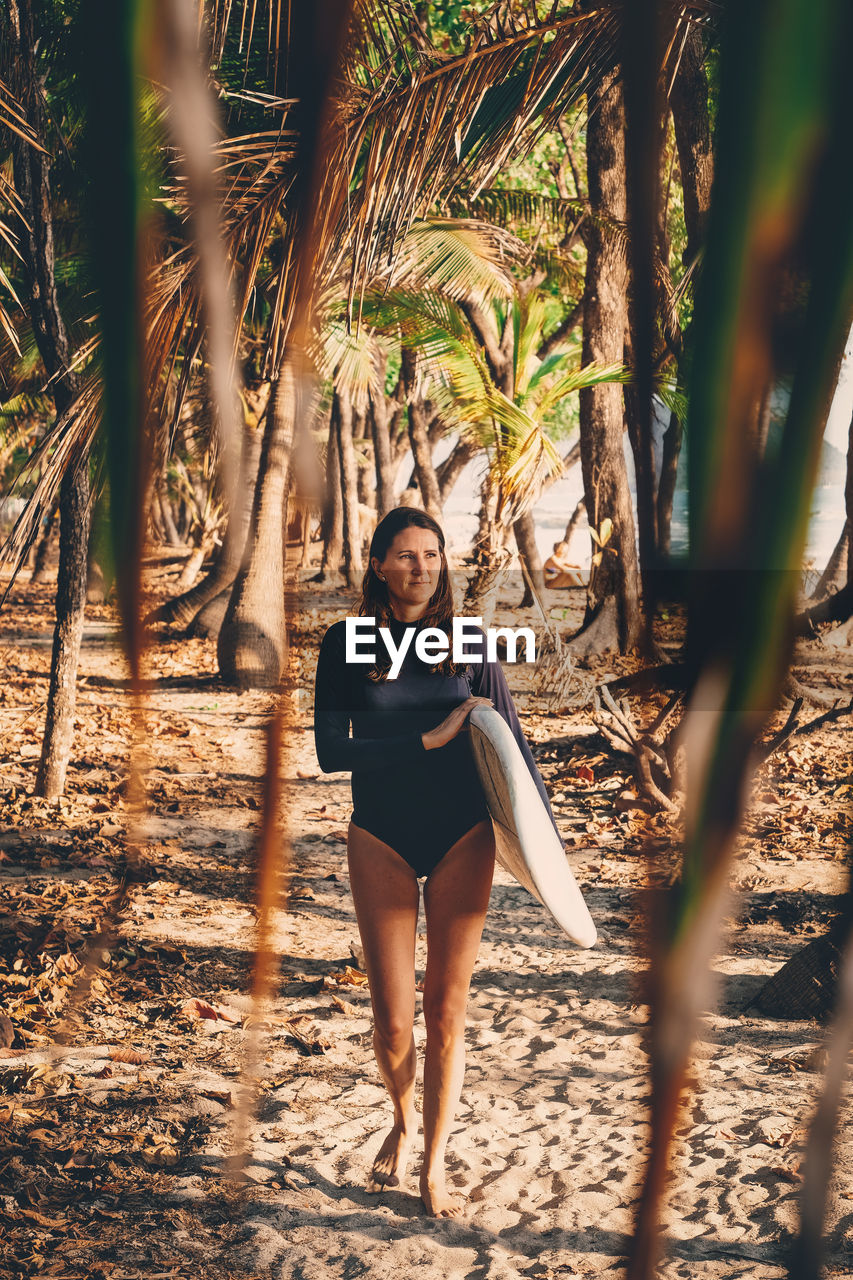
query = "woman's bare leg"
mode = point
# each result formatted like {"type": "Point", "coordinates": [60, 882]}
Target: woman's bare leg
{"type": "Point", "coordinates": [456, 897]}
{"type": "Point", "coordinates": [386, 896]}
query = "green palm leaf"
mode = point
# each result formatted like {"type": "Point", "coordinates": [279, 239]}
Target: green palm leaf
{"type": "Point", "coordinates": [348, 358]}
{"type": "Point", "coordinates": [462, 259]}
{"type": "Point", "coordinates": [549, 365]}
{"type": "Point", "coordinates": [514, 207]}
{"type": "Point", "coordinates": [591, 375]}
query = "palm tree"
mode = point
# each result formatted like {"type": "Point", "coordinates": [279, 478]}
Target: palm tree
{"type": "Point", "coordinates": [411, 126]}
{"type": "Point", "coordinates": [405, 105]}
{"type": "Point", "coordinates": [32, 184]}
{"type": "Point", "coordinates": [488, 382]}
{"type": "Point", "coordinates": [613, 613]}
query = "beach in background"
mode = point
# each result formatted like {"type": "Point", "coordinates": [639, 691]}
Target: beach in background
{"type": "Point", "coordinates": [554, 509]}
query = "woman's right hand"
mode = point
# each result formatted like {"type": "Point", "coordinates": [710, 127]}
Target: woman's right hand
{"type": "Point", "coordinates": [455, 722]}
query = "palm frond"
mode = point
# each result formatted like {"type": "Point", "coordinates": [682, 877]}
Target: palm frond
{"type": "Point", "coordinates": [448, 122]}
{"type": "Point", "coordinates": [513, 207]}
{"type": "Point", "coordinates": [535, 461]}
{"type": "Point", "coordinates": [432, 323]}
{"type": "Point", "coordinates": [666, 390]}
{"type": "Point", "coordinates": [64, 446]}
{"type": "Point", "coordinates": [440, 261]}
{"type": "Point", "coordinates": [591, 375]}
{"type": "Point", "coordinates": [561, 268]}
{"type": "Point", "coordinates": [461, 259]}
{"type": "Point", "coordinates": [461, 388]}
{"type": "Point", "coordinates": [550, 365]}
{"type": "Point", "coordinates": [522, 455]}
{"type": "Point", "coordinates": [5, 318]}
{"type": "Point", "coordinates": [528, 324]}
{"type": "Point", "coordinates": [349, 359]}
{"type": "Point", "coordinates": [12, 117]}
{"type": "Point", "coordinates": [411, 126]}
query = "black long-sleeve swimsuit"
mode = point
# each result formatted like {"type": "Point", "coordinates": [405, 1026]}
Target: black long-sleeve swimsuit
{"type": "Point", "coordinates": [417, 801]}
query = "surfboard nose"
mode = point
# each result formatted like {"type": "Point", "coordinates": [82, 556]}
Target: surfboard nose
{"type": "Point", "coordinates": [588, 937]}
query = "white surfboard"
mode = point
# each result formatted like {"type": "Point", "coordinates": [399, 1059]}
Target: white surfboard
{"type": "Point", "coordinates": [526, 843]}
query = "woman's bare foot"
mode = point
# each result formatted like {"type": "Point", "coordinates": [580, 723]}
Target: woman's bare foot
{"type": "Point", "coordinates": [389, 1167]}
{"type": "Point", "coordinates": [437, 1200]}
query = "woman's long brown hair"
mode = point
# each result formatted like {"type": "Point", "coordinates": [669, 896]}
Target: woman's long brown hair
{"type": "Point", "coordinates": [375, 603]}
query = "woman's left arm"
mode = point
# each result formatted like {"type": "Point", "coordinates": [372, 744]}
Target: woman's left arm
{"type": "Point", "coordinates": [489, 681]}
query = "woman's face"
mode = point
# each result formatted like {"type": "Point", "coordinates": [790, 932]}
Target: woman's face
{"type": "Point", "coordinates": [411, 569]}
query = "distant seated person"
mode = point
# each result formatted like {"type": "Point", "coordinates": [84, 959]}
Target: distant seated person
{"type": "Point", "coordinates": [559, 571]}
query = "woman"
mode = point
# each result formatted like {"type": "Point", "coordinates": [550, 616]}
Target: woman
{"type": "Point", "coordinates": [418, 812]}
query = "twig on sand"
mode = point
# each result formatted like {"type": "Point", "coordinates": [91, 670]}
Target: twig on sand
{"type": "Point", "coordinates": [792, 728]}
{"type": "Point", "coordinates": [655, 764]}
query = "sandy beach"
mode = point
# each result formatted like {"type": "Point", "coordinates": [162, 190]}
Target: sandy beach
{"type": "Point", "coordinates": [549, 1141]}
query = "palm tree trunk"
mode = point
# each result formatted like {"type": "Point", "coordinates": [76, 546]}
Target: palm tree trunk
{"type": "Point", "coordinates": [156, 523]}
{"type": "Point", "coordinates": [251, 645]}
{"type": "Point", "coordinates": [574, 520]}
{"type": "Point", "coordinates": [173, 538]}
{"type": "Point", "coordinates": [361, 430]}
{"type": "Point", "coordinates": [184, 609]}
{"type": "Point", "coordinates": [398, 432]}
{"type": "Point", "coordinates": [419, 439]}
{"type": "Point", "coordinates": [838, 606]}
{"type": "Point", "coordinates": [642, 451]}
{"type": "Point", "coordinates": [31, 168]}
{"type": "Point", "coordinates": [382, 459]}
{"type": "Point", "coordinates": [666, 484]}
{"type": "Point", "coordinates": [43, 545]}
{"type": "Point", "coordinates": [449, 471]}
{"type": "Point", "coordinates": [68, 633]}
{"type": "Point", "coordinates": [333, 511]}
{"type": "Point", "coordinates": [491, 556]}
{"type": "Point", "coordinates": [524, 529]}
{"type": "Point", "coordinates": [342, 420]}
{"type": "Point", "coordinates": [691, 123]}
{"type": "Point", "coordinates": [485, 522]}
{"type": "Point", "coordinates": [613, 619]}
{"type": "Point", "coordinates": [836, 573]}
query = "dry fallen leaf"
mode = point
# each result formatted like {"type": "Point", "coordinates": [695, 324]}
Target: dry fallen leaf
{"type": "Point", "coordinates": [127, 1053]}
{"type": "Point", "coordinates": [775, 1131]}
{"type": "Point", "coordinates": [348, 978]}
{"type": "Point", "coordinates": [310, 1040]}
{"type": "Point", "coordinates": [343, 1006]}
{"type": "Point", "coordinates": [195, 1008]}
{"type": "Point", "coordinates": [31, 1215]}
{"type": "Point", "coordinates": [218, 1095]}
{"type": "Point", "coordinates": [7, 1031]}
{"type": "Point", "coordinates": [19, 1115]}
{"type": "Point", "coordinates": [160, 1153]}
